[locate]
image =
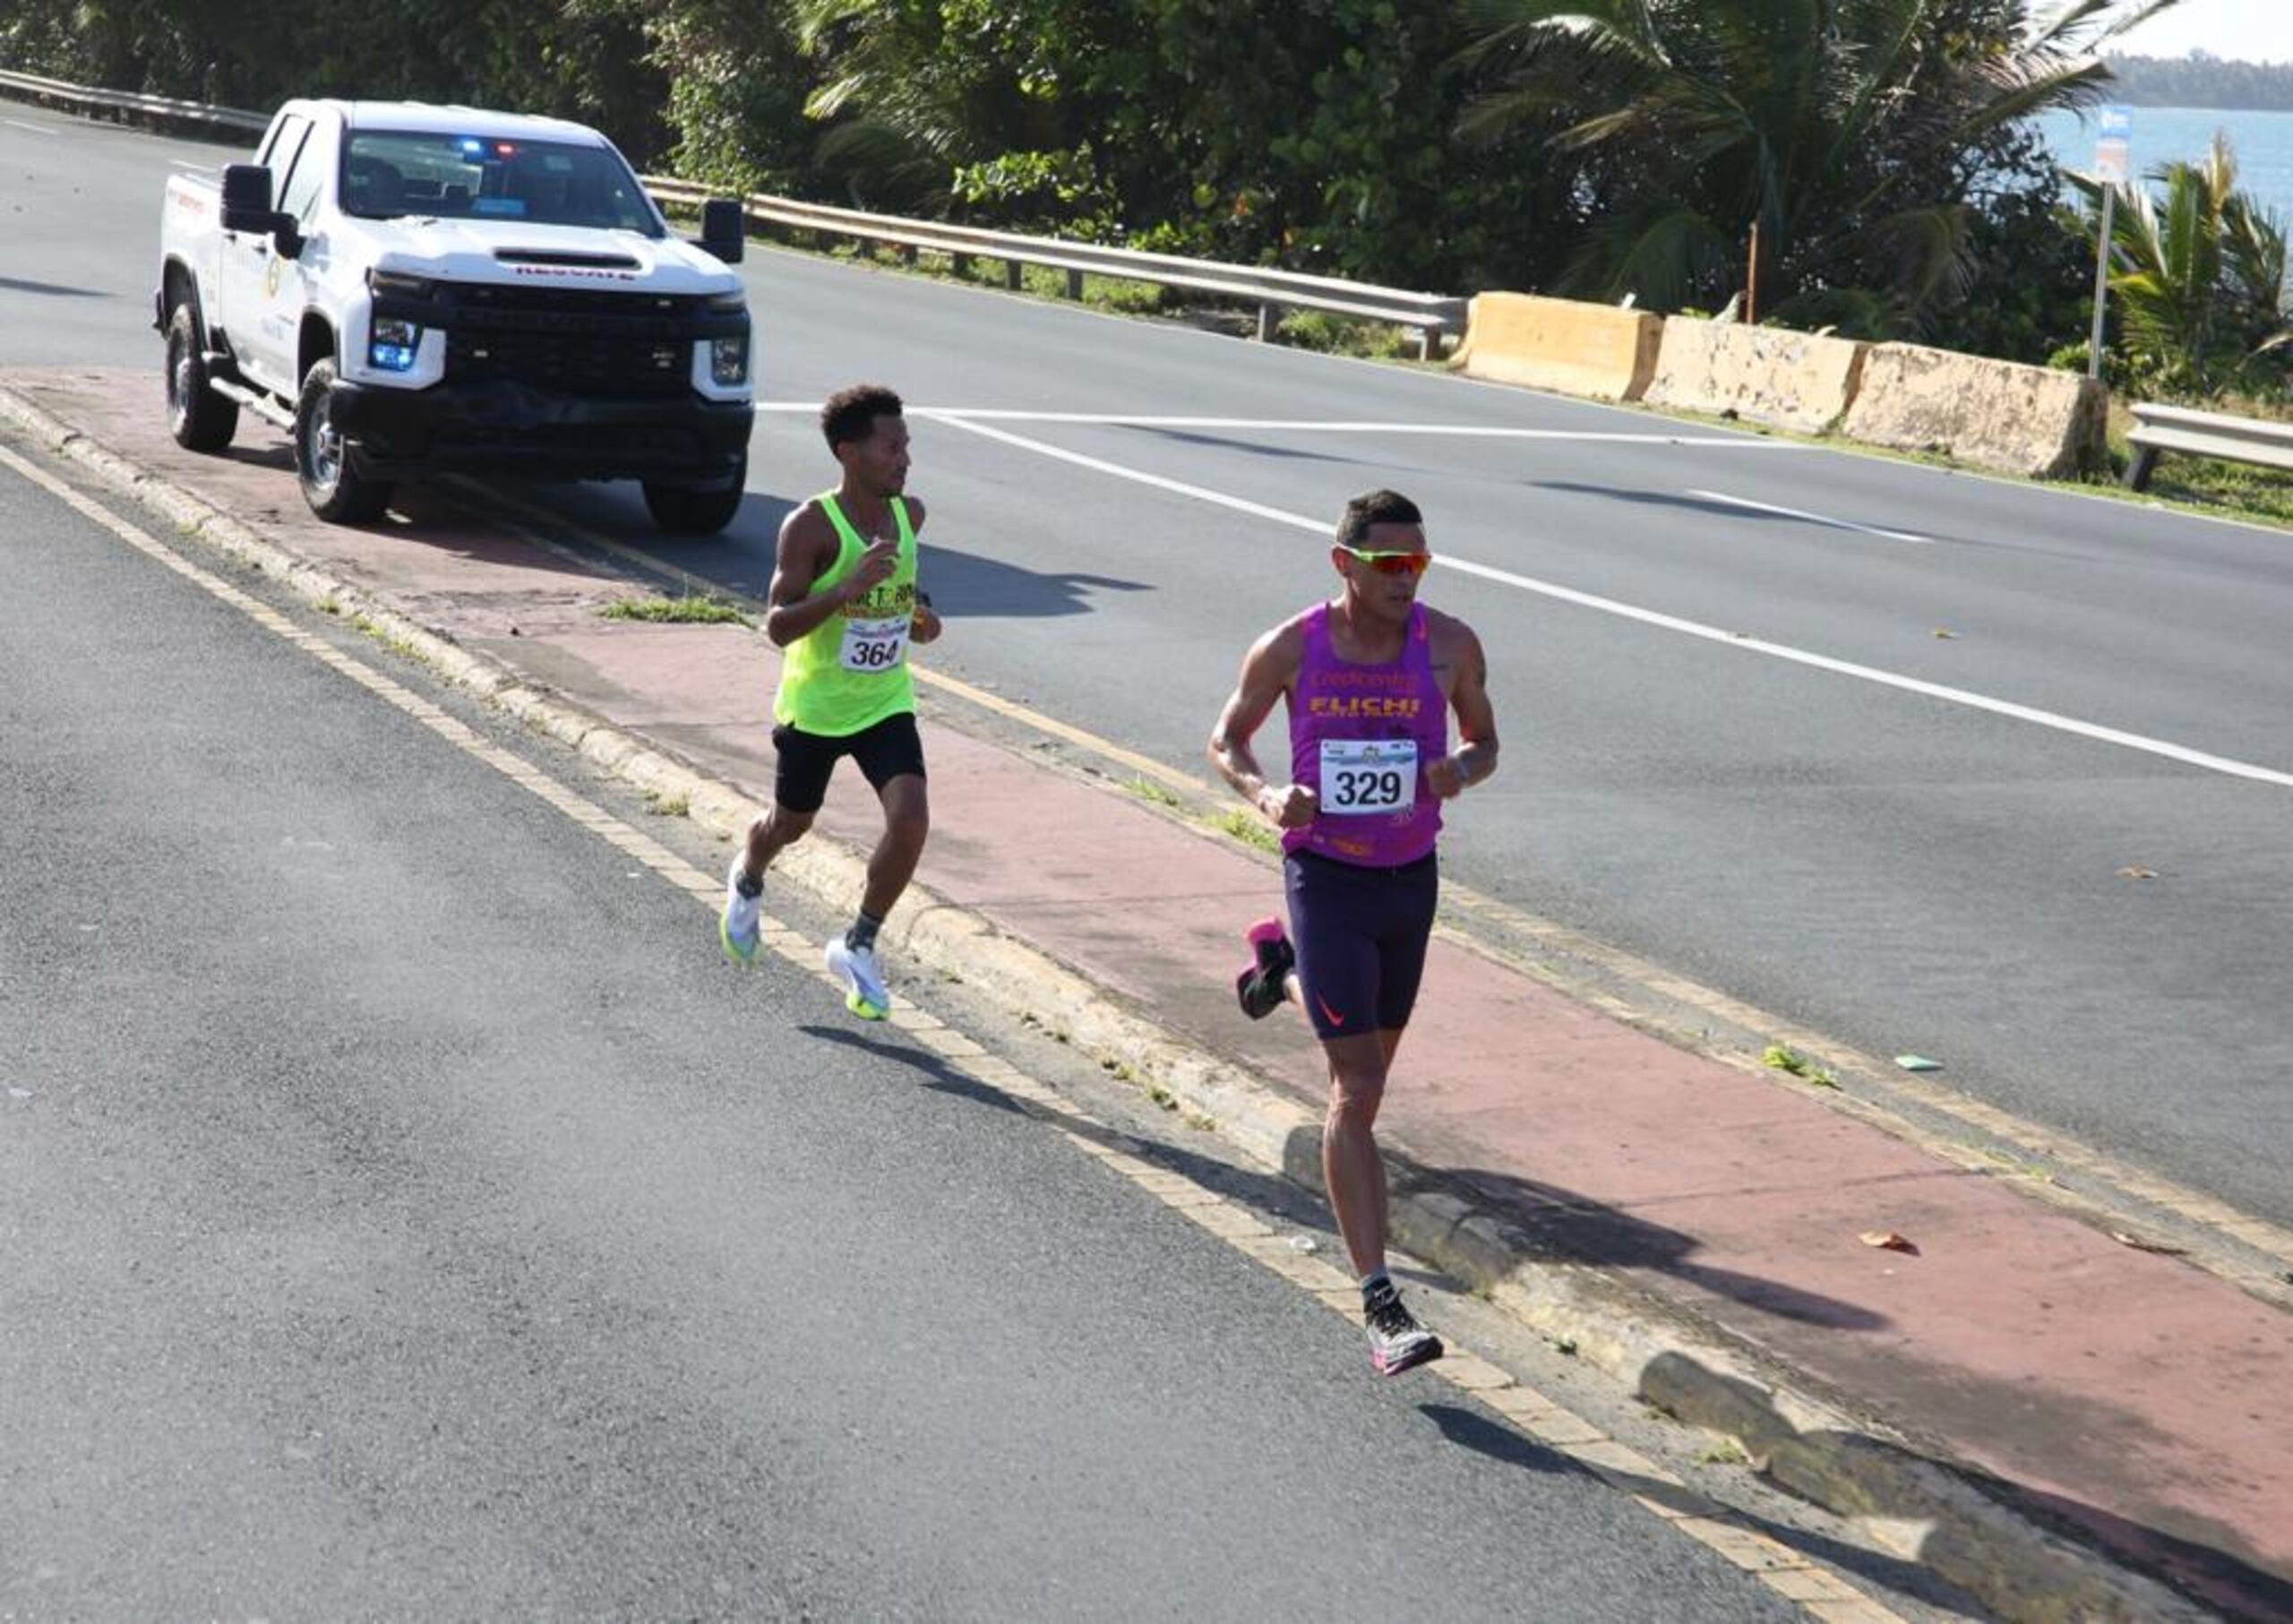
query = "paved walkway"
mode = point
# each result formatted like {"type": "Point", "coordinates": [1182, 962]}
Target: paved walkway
{"type": "Point", "coordinates": [2126, 1391]}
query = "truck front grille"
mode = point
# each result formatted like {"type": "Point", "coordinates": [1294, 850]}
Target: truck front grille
{"type": "Point", "coordinates": [580, 342]}
{"type": "Point", "coordinates": [576, 363]}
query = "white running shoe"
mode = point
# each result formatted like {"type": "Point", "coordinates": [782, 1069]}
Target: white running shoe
{"type": "Point", "coordinates": [865, 994]}
{"type": "Point", "coordinates": [743, 920]}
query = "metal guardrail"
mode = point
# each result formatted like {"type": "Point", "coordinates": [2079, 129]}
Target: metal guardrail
{"type": "Point", "coordinates": [2160, 429]}
{"type": "Point", "coordinates": [1273, 291]}
{"type": "Point", "coordinates": [129, 104]}
{"type": "Point", "coordinates": [1429, 316]}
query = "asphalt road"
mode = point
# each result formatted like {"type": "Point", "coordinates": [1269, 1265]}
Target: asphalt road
{"type": "Point", "coordinates": [1736, 743]}
{"type": "Point", "coordinates": [405, 1213]}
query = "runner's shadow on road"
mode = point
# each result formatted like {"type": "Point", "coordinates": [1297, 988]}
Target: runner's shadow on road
{"type": "Point", "coordinates": [1470, 1430]}
{"type": "Point", "coordinates": [1546, 1225]}
{"type": "Point", "coordinates": [966, 586]}
{"type": "Point", "coordinates": [1278, 1199]}
{"type": "Point", "coordinates": [938, 1074]}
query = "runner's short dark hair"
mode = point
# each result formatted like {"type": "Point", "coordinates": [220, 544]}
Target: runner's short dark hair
{"type": "Point", "coordinates": [851, 413]}
{"type": "Point", "coordinates": [1375, 507]}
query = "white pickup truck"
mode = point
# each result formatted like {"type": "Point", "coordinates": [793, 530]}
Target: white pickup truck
{"type": "Point", "coordinates": [409, 289]}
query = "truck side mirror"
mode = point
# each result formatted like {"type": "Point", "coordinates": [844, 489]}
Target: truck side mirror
{"type": "Point", "coordinates": [246, 198]}
{"type": "Point", "coordinates": [723, 231]}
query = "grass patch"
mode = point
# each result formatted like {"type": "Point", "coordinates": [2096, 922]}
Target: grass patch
{"type": "Point", "coordinates": [668, 806]}
{"type": "Point", "coordinates": [686, 611]}
{"type": "Point", "coordinates": [1247, 828]}
{"type": "Point", "coordinates": [2232, 490]}
{"type": "Point", "coordinates": [1161, 1096]}
{"type": "Point", "coordinates": [397, 645]}
{"type": "Point", "coordinates": [329, 605]}
{"type": "Point", "coordinates": [1783, 1057]}
{"type": "Point", "coordinates": [1726, 1452]}
{"type": "Point", "coordinates": [1336, 335]}
{"type": "Point", "coordinates": [1147, 789]}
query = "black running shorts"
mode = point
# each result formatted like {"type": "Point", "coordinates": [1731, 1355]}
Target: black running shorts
{"type": "Point", "coordinates": [885, 749]}
{"type": "Point", "coordinates": [1360, 935]}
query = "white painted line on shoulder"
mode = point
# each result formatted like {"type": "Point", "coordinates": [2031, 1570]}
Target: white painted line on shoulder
{"type": "Point", "coordinates": [37, 129]}
{"type": "Point", "coordinates": [1808, 518]}
{"type": "Point", "coordinates": [2227, 766]}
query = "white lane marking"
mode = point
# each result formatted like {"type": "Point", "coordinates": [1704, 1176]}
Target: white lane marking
{"type": "Point", "coordinates": [190, 168]}
{"type": "Point", "coordinates": [37, 129]}
{"type": "Point", "coordinates": [1318, 426]}
{"type": "Point", "coordinates": [1821, 518]}
{"type": "Point", "coordinates": [2225, 765]}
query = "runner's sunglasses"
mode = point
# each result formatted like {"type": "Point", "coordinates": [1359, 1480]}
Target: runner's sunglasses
{"type": "Point", "coordinates": [1390, 563]}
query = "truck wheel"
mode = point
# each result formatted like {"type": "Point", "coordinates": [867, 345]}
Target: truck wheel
{"type": "Point", "coordinates": [684, 509]}
{"type": "Point", "coordinates": [199, 418]}
{"type": "Point", "coordinates": [321, 462]}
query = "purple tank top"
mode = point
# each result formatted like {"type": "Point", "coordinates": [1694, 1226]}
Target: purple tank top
{"type": "Point", "coordinates": [1360, 737]}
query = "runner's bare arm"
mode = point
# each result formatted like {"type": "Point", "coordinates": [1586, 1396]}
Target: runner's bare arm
{"type": "Point", "coordinates": [807, 547]}
{"type": "Point", "coordinates": [925, 626]}
{"type": "Point", "coordinates": [1269, 670]}
{"type": "Point", "coordinates": [1475, 757]}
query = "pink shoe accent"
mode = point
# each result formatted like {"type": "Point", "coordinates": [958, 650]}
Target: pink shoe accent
{"type": "Point", "coordinates": [1263, 931]}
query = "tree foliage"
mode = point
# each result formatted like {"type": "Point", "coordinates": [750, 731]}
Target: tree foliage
{"type": "Point", "coordinates": [2201, 80]}
{"type": "Point", "coordinates": [1599, 147]}
{"type": "Point", "coordinates": [2198, 271]}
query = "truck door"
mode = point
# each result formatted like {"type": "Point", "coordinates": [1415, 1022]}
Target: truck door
{"type": "Point", "coordinates": [252, 271]}
{"type": "Point", "coordinates": [304, 196]}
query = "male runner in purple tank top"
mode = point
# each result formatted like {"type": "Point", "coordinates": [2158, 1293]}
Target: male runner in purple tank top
{"type": "Point", "coordinates": [1370, 678]}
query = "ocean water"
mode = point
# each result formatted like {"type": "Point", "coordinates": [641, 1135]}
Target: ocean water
{"type": "Point", "coordinates": [2262, 141]}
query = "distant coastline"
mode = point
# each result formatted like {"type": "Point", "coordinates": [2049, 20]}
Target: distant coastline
{"type": "Point", "coordinates": [2201, 80]}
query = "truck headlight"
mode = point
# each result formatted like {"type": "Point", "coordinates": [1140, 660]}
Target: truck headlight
{"type": "Point", "coordinates": [392, 344]}
{"type": "Point", "coordinates": [728, 360]}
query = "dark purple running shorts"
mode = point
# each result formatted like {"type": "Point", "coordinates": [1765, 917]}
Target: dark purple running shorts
{"type": "Point", "coordinates": [1360, 935]}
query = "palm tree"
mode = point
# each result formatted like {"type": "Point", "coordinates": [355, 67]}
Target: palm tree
{"type": "Point", "coordinates": [1844, 137]}
{"type": "Point", "coordinates": [2199, 277]}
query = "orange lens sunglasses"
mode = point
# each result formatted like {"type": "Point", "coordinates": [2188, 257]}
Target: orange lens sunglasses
{"type": "Point", "coordinates": [1391, 564]}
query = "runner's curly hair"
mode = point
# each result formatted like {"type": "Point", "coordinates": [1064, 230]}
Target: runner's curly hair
{"type": "Point", "coordinates": [851, 414]}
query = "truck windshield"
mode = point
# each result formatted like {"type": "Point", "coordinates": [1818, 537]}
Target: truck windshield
{"type": "Point", "coordinates": [387, 174]}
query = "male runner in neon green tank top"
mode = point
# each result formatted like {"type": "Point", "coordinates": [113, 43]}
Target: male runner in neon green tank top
{"type": "Point", "coordinates": [844, 608]}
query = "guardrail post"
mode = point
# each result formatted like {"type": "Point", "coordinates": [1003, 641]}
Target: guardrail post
{"type": "Point", "coordinates": [1268, 314]}
{"type": "Point", "coordinates": [961, 265]}
{"type": "Point", "coordinates": [1074, 284]}
{"type": "Point", "coordinates": [1012, 281]}
{"type": "Point", "coordinates": [1424, 343]}
{"type": "Point", "coordinates": [907, 254]}
{"type": "Point", "coordinates": [2138, 471]}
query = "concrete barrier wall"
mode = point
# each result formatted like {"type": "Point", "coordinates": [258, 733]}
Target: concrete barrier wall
{"type": "Point", "coordinates": [1760, 374]}
{"type": "Point", "coordinates": [1594, 351]}
{"type": "Point", "coordinates": [2028, 420]}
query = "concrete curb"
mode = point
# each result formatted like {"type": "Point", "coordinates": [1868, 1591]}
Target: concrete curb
{"type": "Point", "coordinates": [1933, 1510]}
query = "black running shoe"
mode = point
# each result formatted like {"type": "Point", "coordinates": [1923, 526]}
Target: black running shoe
{"type": "Point", "coordinates": [1398, 1343]}
{"type": "Point", "coordinates": [1259, 989]}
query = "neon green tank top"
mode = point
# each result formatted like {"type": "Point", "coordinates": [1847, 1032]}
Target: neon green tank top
{"type": "Point", "coordinates": [850, 671]}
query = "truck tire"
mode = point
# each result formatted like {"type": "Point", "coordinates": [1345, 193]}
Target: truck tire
{"type": "Point", "coordinates": [322, 463]}
{"type": "Point", "coordinates": [684, 509]}
{"type": "Point", "coordinates": [199, 418]}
